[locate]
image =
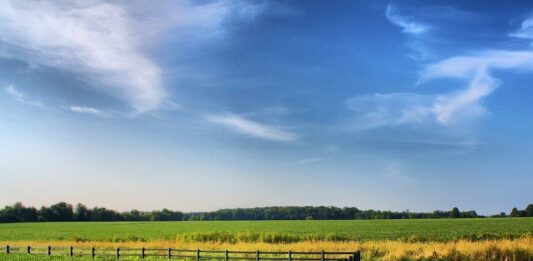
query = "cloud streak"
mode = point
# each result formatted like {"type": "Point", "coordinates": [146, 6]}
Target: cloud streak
{"type": "Point", "coordinates": [20, 97]}
{"type": "Point", "coordinates": [415, 30]}
{"type": "Point", "coordinates": [94, 38]}
{"type": "Point", "coordinates": [464, 103]}
{"type": "Point", "coordinates": [391, 109]}
{"type": "Point", "coordinates": [476, 69]}
{"type": "Point", "coordinates": [525, 31]}
{"type": "Point", "coordinates": [407, 24]}
{"type": "Point", "coordinates": [251, 128]}
{"type": "Point", "coordinates": [89, 111]}
{"type": "Point", "coordinates": [105, 42]}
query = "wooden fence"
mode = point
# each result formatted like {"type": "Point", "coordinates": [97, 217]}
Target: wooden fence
{"type": "Point", "coordinates": [170, 253]}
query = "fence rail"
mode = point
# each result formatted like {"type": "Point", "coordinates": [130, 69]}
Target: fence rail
{"type": "Point", "coordinates": [175, 253]}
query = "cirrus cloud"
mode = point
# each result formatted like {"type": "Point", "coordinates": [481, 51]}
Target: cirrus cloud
{"type": "Point", "coordinates": [20, 97]}
{"type": "Point", "coordinates": [407, 24]}
{"type": "Point", "coordinates": [89, 111]}
{"type": "Point", "coordinates": [449, 108]}
{"type": "Point", "coordinates": [106, 41]}
{"type": "Point", "coordinates": [251, 128]}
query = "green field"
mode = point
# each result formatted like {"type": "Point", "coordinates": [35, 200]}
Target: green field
{"type": "Point", "coordinates": [282, 231]}
{"type": "Point", "coordinates": [14, 257]}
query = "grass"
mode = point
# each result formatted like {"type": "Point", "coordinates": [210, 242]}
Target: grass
{"type": "Point", "coordinates": [64, 258]}
{"type": "Point", "coordinates": [439, 230]}
{"type": "Point", "coordinates": [436, 239]}
{"type": "Point", "coordinates": [501, 249]}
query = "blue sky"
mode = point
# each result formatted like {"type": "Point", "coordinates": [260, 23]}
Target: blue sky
{"type": "Point", "coordinates": [200, 105]}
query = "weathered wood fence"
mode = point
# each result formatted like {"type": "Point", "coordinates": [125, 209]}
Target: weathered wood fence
{"type": "Point", "coordinates": [170, 253]}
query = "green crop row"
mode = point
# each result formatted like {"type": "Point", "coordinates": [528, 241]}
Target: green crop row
{"type": "Point", "coordinates": [272, 231]}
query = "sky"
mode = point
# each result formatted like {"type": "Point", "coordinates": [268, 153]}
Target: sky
{"type": "Point", "coordinates": [202, 105]}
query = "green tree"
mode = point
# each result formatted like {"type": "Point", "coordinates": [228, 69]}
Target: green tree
{"type": "Point", "coordinates": [455, 213]}
{"type": "Point", "coordinates": [529, 210]}
{"type": "Point", "coordinates": [81, 213]}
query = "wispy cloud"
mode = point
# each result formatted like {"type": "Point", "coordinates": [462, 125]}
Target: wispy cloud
{"type": "Point", "coordinates": [525, 31]}
{"type": "Point", "coordinates": [251, 128]}
{"type": "Point", "coordinates": [413, 28]}
{"type": "Point", "coordinates": [396, 109]}
{"type": "Point", "coordinates": [92, 37]}
{"type": "Point", "coordinates": [392, 109]}
{"type": "Point", "coordinates": [89, 111]}
{"type": "Point", "coordinates": [408, 25]}
{"type": "Point", "coordinates": [476, 69]}
{"type": "Point", "coordinates": [20, 97]}
{"type": "Point", "coordinates": [106, 41]}
{"type": "Point", "coordinates": [462, 104]}
{"type": "Point", "coordinates": [14, 92]}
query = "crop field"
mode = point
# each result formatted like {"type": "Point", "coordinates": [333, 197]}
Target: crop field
{"type": "Point", "coordinates": [273, 231]}
{"type": "Point", "coordinates": [424, 239]}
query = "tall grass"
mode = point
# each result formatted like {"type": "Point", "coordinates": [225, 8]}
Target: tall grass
{"type": "Point", "coordinates": [519, 249]}
{"type": "Point", "coordinates": [474, 239]}
{"type": "Point", "coordinates": [275, 237]}
{"type": "Point", "coordinates": [252, 237]}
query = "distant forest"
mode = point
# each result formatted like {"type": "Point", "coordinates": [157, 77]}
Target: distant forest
{"type": "Point", "coordinates": [66, 212]}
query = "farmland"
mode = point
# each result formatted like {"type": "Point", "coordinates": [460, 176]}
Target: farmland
{"type": "Point", "coordinates": [294, 231]}
{"type": "Point", "coordinates": [386, 239]}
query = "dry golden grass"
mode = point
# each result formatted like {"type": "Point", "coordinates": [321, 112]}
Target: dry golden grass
{"type": "Point", "coordinates": [502, 249]}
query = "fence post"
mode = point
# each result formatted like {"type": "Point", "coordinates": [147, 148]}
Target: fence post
{"type": "Point", "coordinates": [226, 256]}
{"type": "Point", "coordinates": [71, 251]}
{"type": "Point", "coordinates": [142, 252]}
{"type": "Point", "coordinates": [257, 255]}
{"type": "Point", "coordinates": [7, 249]}
{"type": "Point", "coordinates": [357, 256]}
{"type": "Point", "coordinates": [49, 250]}
{"type": "Point", "coordinates": [350, 258]}
{"type": "Point", "coordinates": [197, 254]}
{"type": "Point", "coordinates": [322, 256]}
{"type": "Point", "coordinates": [29, 249]}
{"type": "Point", "coordinates": [92, 252]}
{"type": "Point", "coordinates": [118, 252]}
{"type": "Point", "coordinates": [290, 255]}
{"type": "Point", "coordinates": [169, 253]}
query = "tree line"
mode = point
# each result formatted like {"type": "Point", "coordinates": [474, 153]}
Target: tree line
{"type": "Point", "coordinates": [66, 212]}
{"type": "Point", "coordinates": [528, 212]}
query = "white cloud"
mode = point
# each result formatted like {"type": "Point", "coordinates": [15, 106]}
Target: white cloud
{"type": "Point", "coordinates": [106, 40]}
{"type": "Point", "coordinates": [89, 110]}
{"type": "Point", "coordinates": [525, 31]}
{"type": "Point", "coordinates": [407, 24]}
{"type": "Point", "coordinates": [392, 109]}
{"type": "Point", "coordinates": [470, 66]}
{"type": "Point", "coordinates": [14, 92]}
{"type": "Point", "coordinates": [397, 109]}
{"type": "Point", "coordinates": [449, 108]}
{"type": "Point", "coordinates": [92, 37]}
{"type": "Point", "coordinates": [476, 69]}
{"type": "Point", "coordinates": [251, 128]}
{"type": "Point", "coordinates": [414, 29]}
{"type": "Point", "coordinates": [19, 96]}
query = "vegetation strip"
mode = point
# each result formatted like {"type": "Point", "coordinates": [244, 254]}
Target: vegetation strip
{"type": "Point", "coordinates": [174, 253]}
{"type": "Point", "coordinates": [389, 250]}
{"type": "Point", "coordinates": [66, 212]}
{"type": "Point", "coordinates": [420, 230]}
